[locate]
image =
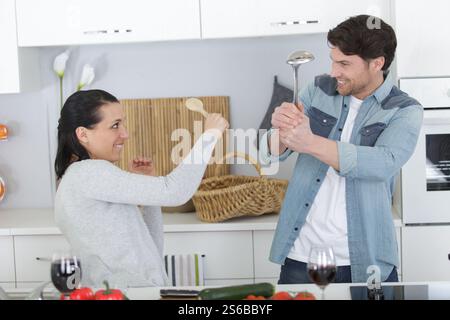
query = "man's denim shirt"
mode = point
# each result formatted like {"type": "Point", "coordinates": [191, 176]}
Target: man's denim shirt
{"type": "Point", "coordinates": [384, 137]}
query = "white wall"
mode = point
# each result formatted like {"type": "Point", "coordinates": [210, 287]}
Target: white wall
{"type": "Point", "coordinates": [240, 68]}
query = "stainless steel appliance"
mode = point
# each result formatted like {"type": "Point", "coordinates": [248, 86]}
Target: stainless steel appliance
{"type": "Point", "coordinates": [425, 187]}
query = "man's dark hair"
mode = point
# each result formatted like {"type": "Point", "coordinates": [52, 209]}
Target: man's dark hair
{"type": "Point", "coordinates": [367, 36]}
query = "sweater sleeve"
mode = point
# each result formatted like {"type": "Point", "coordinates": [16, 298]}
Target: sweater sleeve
{"type": "Point", "coordinates": [101, 180]}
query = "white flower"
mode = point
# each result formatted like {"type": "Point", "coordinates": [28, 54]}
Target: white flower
{"type": "Point", "coordinates": [87, 76]}
{"type": "Point", "coordinates": [59, 64]}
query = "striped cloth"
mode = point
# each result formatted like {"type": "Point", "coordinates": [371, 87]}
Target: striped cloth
{"type": "Point", "coordinates": [185, 269]}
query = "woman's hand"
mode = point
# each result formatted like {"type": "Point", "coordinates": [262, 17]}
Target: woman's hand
{"type": "Point", "coordinates": [216, 124]}
{"type": "Point", "coordinates": [142, 165]}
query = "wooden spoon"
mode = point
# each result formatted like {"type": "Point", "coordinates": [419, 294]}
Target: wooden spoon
{"type": "Point", "coordinates": [196, 105]}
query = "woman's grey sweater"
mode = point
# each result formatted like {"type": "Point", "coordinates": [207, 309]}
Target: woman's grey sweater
{"type": "Point", "coordinates": [96, 208]}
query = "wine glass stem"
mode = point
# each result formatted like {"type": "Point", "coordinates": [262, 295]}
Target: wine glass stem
{"type": "Point", "coordinates": [323, 293]}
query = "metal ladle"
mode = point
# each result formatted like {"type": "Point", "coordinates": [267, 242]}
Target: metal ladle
{"type": "Point", "coordinates": [295, 59]}
{"type": "Point", "coordinates": [196, 105]}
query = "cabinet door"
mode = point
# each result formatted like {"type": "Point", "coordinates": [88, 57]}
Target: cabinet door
{"type": "Point", "coordinates": [33, 256]}
{"type": "Point", "coordinates": [9, 59]}
{"type": "Point", "coordinates": [7, 259]}
{"type": "Point", "coordinates": [426, 253]}
{"type": "Point", "coordinates": [102, 21]}
{"type": "Point", "coordinates": [8, 285]}
{"type": "Point", "coordinates": [263, 267]}
{"type": "Point", "coordinates": [422, 33]}
{"type": "Point", "coordinates": [228, 255]}
{"type": "Point", "coordinates": [249, 18]}
{"type": "Point", "coordinates": [398, 232]}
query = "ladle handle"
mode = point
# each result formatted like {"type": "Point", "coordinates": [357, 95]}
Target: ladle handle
{"type": "Point", "coordinates": [296, 100]}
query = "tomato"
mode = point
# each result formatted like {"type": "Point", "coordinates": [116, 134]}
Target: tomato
{"type": "Point", "coordinates": [304, 295]}
{"type": "Point", "coordinates": [253, 297]}
{"type": "Point", "coordinates": [282, 295]}
{"type": "Point", "coordinates": [82, 294]}
{"type": "Point", "coordinates": [109, 294]}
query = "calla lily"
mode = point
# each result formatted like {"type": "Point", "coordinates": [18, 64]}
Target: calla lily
{"type": "Point", "coordinates": [59, 64]}
{"type": "Point", "coordinates": [87, 76]}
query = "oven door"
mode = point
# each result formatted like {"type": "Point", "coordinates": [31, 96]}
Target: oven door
{"type": "Point", "coordinates": [426, 176]}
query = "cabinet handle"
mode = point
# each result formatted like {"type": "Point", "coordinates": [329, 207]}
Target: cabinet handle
{"type": "Point", "coordinates": [87, 32]}
{"type": "Point", "coordinates": [95, 31]}
{"type": "Point", "coordinates": [293, 22]}
{"type": "Point", "coordinates": [43, 259]}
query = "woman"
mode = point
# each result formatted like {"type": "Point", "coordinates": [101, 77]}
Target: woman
{"type": "Point", "coordinates": [96, 204]}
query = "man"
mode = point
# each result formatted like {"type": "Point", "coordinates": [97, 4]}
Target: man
{"type": "Point", "coordinates": [353, 132]}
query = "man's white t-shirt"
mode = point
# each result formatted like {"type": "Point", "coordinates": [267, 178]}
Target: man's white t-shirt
{"type": "Point", "coordinates": [326, 223]}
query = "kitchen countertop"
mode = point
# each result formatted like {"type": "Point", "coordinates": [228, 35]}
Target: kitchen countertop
{"type": "Point", "coordinates": [41, 221]}
{"type": "Point", "coordinates": [335, 291]}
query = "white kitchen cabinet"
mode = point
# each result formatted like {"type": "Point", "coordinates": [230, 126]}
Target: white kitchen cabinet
{"type": "Point", "coordinates": [422, 33]}
{"type": "Point", "coordinates": [263, 267]}
{"type": "Point", "coordinates": [398, 231]}
{"type": "Point", "coordinates": [273, 281]}
{"type": "Point", "coordinates": [228, 282]}
{"type": "Point", "coordinates": [73, 22]}
{"type": "Point", "coordinates": [228, 254]}
{"type": "Point", "coordinates": [19, 68]}
{"type": "Point", "coordinates": [426, 253]}
{"type": "Point", "coordinates": [29, 248]}
{"type": "Point", "coordinates": [250, 18]}
{"type": "Point", "coordinates": [7, 273]}
{"type": "Point", "coordinates": [7, 285]}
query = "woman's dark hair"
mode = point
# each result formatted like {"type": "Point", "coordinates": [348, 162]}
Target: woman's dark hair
{"type": "Point", "coordinates": [366, 36]}
{"type": "Point", "coordinates": [79, 110]}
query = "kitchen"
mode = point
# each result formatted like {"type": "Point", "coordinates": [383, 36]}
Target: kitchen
{"type": "Point", "coordinates": [206, 56]}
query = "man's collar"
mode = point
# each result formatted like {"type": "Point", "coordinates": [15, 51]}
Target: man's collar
{"type": "Point", "coordinates": [383, 91]}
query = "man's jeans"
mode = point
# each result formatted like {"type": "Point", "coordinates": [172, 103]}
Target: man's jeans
{"type": "Point", "coordinates": [295, 272]}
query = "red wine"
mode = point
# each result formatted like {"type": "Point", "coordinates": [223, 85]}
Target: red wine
{"type": "Point", "coordinates": [322, 276]}
{"type": "Point", "coordinates": [66, 276]}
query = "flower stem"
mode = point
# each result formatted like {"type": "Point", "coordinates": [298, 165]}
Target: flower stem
{"type": "Point", "coordinates": [61, 90]}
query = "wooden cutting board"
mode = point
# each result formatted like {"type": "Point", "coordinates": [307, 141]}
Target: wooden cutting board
{"type": "Point", "coordinates": [152, 122]}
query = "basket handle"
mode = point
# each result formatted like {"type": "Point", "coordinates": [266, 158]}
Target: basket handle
{"type": "Point", "coordinates": [237, 154]}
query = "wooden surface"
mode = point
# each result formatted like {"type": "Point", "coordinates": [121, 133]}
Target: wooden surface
{"type": "Point", "coordinates": [152, 122]}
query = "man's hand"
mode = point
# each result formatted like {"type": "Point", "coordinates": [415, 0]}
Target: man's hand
{"type": "Point", "coordinates": [142, 165]}
{"type": "Point", "coordinates": [300, 138]}
{"type": "Point", "coordinates": [286, 116]}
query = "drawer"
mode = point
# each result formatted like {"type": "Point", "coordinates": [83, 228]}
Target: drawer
{"type": "Point", "coordinates": [228, 255]}
{"type": "Point", "coordinates": [8, 285]}
{"type": "Point", "coordinates": [426, 253]}
{"type": "Point", "coordinates": [228, 282]}
{"type": "Point", "coordinates": [30, 285]}
{"type": "Point", "coordinates": [7, 259]}
{"type": "Point", "coordinates": [28, 248]}
{"type": "Point", "coordinates": [263, 267]}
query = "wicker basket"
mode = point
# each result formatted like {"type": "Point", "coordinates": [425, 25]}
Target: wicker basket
{"type": "Point", "coordinates": [221, 198]}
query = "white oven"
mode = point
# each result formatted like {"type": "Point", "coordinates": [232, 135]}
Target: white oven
{"type": "Point", "coordinates": [425, 178]}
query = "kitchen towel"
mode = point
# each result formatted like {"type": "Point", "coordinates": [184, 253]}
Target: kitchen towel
{"type": "Point", "coordinates": [185, 269]}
